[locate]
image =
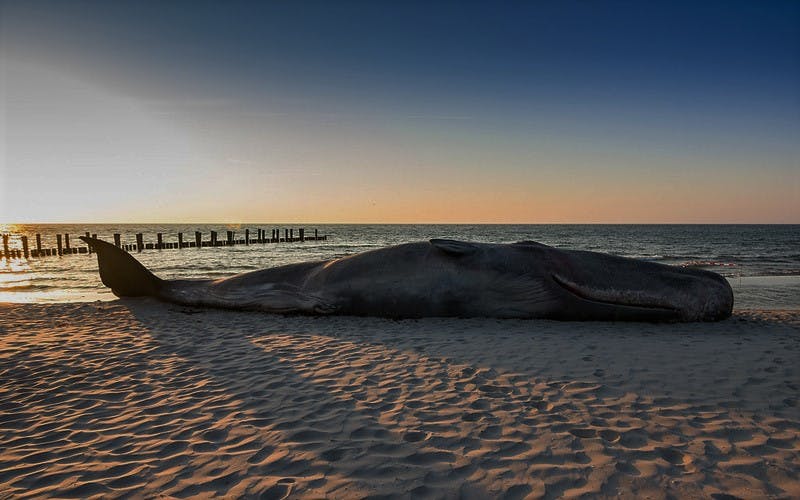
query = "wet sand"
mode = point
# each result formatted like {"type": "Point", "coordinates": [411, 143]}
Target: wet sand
{"type": "Point", "coordinates": [136, 398]}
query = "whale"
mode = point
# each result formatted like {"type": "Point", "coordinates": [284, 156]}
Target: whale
{"type": "Point", "coordinates": [446, 278]}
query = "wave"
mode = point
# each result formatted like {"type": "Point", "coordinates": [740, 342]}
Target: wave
{"type": "Point", "coordinates": [707, 263]}
{"type": "Point", "coordinates": [28, 287]}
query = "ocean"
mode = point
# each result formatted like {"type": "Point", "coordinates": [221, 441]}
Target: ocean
{"type": "Point", "coordinates": [762, 262]}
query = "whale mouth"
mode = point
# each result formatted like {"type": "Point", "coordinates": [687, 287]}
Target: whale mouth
{"type": "Point", "coordinates": [615, 299]}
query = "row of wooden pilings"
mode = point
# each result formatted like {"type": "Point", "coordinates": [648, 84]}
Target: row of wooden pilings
{"type": "Point", "coordinates": [63, 244]}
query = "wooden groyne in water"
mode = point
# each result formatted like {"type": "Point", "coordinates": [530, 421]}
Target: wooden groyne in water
{"type": "Point", "coordinates": [196, 240]}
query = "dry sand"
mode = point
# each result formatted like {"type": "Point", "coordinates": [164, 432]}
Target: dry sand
{"type": "Point", "coordinates": [136, 398]}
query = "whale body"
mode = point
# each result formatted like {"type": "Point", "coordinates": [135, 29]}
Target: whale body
{"type": "Point", "coordinates": [445, 278]}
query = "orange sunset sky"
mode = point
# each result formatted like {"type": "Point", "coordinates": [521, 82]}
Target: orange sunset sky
{"type": "Point", "coordinates": [534, 114]}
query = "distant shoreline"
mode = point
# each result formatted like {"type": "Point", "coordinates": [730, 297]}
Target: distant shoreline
{"type": "Point", "coordinates": [284, 223]}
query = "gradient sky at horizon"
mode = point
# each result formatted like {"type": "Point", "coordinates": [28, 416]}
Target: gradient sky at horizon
{"type": "Point", "coordinates": [533, 112]}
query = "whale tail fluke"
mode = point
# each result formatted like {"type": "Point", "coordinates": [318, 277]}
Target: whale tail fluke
{"type": "Point", "coordinates": [123, 274]}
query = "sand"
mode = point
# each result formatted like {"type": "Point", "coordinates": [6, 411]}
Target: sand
{"type": "Point", "coordinates": [139, 399]}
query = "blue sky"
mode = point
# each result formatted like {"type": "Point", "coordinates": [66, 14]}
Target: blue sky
{"type": "Point", "coordinates": [402, 112]}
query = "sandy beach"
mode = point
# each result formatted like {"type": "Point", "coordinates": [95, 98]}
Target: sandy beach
{"type": "Point", "coordinates": [136, 398]}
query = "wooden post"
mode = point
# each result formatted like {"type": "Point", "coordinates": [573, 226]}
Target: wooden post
{"type": "Point", "coordinates": [291, 234]}
{"type": "Point", "coordinates": [38, 244]}
{"type": "Point", "coordinates": [286, 235]}
{"type": "Point", "coordinates": [160, 241]}
{"type": "Point", "coordinates": [5, 247]}
{"type": "Point", "coordinates": [25, 246]}
{"type": "Point", "coordinates": [180, 241]}
{"type": "Point", "coordinates": [230, 237]}
{"type": "Point", "coordinates": [316, 236]}
{"type": "Point", "coordinates": [66, 241]}
{"type": "Point", "coordinates": [302, 234]}
{"type": "Point", "coordinates": [58, 244]}
{"type": "Point", "coordinates": [88, 246]}
{"type": "Point", "coordinates": [246, 236]}
{"type": "Point", "coordinates": [139, 242]}
{"type": "Point", "coordinates": [198, 239]}
{"type": "Point", "coordinates": [213, 238]}
{"type": "Point", "coordinates": [117, 240]}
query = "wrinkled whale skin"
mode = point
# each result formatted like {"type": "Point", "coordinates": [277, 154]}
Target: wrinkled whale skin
{"type": "Point", "coordinates": [447, 278]}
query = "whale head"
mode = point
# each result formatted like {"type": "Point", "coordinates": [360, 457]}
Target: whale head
{"type": "Point", "coordinates": [529, 279]}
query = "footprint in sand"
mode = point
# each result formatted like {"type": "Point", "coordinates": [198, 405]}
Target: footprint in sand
{"type": "Point", "coordinates": [471, 416]}
{"type": "Point", "coordinates": [415, 436]}
{"type": "Point", "coordinates": [479, 404]}
{"type": "Point", "coordinates": [517, 491]}
{"type": "Point", "coordinates": [675, 457]}
{"type": "Point", "coordinates": [733, 434]}
{"type": "Point", "coordinates": [627, 468]}
{"type": "Point", "coordinates": [585, 433]}
{"type": "Point", "coordinates": [634, 439]}
{"type": "Point", "coordinates": [609, 435]}
{"type": "Point", "coordinates": [278, 491]}
{"type": "Point", "coordinates": [724, 496]}
{"type": "Point", "coordinates": [216, 435]}
{"type": "Point", "coordinates": [495, 390]}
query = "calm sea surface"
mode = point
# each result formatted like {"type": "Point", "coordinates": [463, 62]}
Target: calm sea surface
{"type": "Point", "coordinates": [761, 261]}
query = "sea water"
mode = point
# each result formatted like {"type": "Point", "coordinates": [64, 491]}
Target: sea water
{"type": "Point", "coordinates": [762, 262]}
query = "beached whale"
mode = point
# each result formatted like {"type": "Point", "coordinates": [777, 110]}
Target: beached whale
{"type": "Point", "coordinates": [447, 278]}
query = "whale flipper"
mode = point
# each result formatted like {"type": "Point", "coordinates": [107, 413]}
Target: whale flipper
{"type": "Point", "coordinates": [123, 274]}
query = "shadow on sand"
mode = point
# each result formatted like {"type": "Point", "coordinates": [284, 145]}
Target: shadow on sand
{"type": "Point", "coordinates": [361, 406]}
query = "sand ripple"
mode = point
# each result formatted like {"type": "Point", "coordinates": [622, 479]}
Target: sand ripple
{"type": "Point", "coordinates": [139, 399]}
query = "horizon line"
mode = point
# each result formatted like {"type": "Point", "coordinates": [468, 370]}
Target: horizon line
{"type": "Point", "coordinates": [413, 223]}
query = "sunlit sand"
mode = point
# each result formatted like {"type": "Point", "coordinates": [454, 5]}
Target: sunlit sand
{"type": "Point", "coordinates": [141, 398]}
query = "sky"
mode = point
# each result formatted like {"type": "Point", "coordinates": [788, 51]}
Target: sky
{"type": "Point", "coordinates": [400, 112]}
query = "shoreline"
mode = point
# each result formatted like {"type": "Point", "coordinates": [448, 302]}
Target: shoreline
{"type": "Point", "coordinates": [763, 293]}
{"type": "Point", "coordinates": [144, 398]}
